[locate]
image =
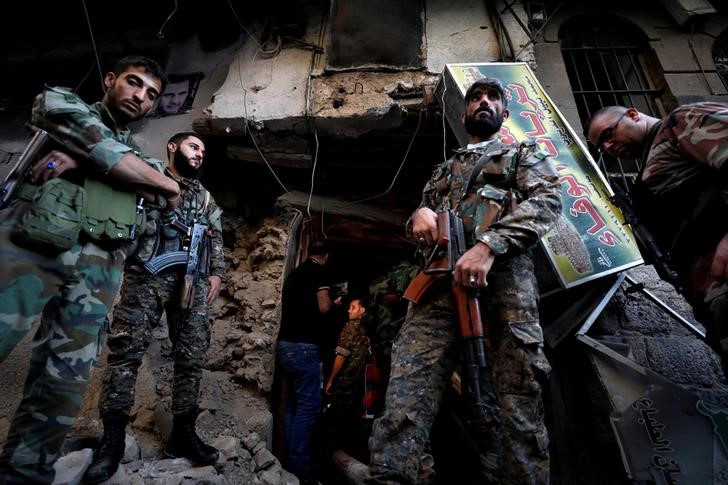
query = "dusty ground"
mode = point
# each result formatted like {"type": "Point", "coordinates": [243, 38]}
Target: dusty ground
{"type": "Point", "coordinates": [235, 398]}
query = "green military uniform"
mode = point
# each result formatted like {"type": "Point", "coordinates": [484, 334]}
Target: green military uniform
{"type": "Point", "coordinates": [145, 296]}
{"type": "Point", "coordinates": [387, 310]}
{"type": "Point", "coordinates": [345, 402]}
{"type": "Point", "coordinates": [427, 349]}
{"type": "Point", "coordinates": [73, 289]}
{"type": "Point", "coordinates": [353, 344]}
{"type": "Point", "coordinates": [683, 199]}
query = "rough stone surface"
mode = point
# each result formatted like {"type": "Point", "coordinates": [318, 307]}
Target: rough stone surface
{"type": "Point", "coordinates": [131, 450]}
{"type": "Point", "coordinates": [71, 467]}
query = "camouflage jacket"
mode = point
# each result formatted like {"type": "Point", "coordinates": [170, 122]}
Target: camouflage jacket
{"type": "Point", "coordinates": [89, 132]}
{"type": "Point", "coordinates": [196, 206]}
{"type": "Point", "coordinates": [679, 197]}
{"type": "Point", "coordinates": [518, 180]}
{"type": "Point", "coordinates": [691, 140]}
{"type": "Point", "coordinates": [354, 345]}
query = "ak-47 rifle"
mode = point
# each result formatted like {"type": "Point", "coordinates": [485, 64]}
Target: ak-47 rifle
{"type": "Point", "coordinates": [449, 248]}
{"type": "Point", "coordinates": [192, 249]}
{"type": "Point", "coordinates": [17, 174]}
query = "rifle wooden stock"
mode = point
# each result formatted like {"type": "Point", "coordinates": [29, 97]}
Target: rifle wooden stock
{"type": "Point", "coordinates": [443, 228]}
{"type": "Point", "coordinates": [423, 281]}
{"type": "Point", "coordinates": [187, 295]}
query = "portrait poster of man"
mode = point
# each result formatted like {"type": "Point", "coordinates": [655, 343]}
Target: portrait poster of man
{"type": "Point", "coordinates": [179, 94]}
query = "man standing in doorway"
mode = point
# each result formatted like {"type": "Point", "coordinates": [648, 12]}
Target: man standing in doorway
{"type": "Point", "coordinates": [521, 185]}
{"type": "Point", "coordinates": [306, 301]}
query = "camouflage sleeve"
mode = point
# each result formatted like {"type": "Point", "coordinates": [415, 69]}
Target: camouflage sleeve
{"type": "Point", "coordinates": [345, 343]}
{"type": "Point", "coordinates": [62, 113]}
{"type": "Point", "coordinates": [154, 163]}
{"type": "Point", "coordinates": [533, 217]}
{"type": "Point", "coordinates": [431, 197]}
{"type": "Point", "coordinates": [701, 133]}
{"type": "Point", "coordinates": [217, 258]}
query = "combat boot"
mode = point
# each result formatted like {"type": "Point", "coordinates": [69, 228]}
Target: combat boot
{"type": "Point", "coordinates": [109, 454]}
{"type": "Point", "coordinates": [183, 441]}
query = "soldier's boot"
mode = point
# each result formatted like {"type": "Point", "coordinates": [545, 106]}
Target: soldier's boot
{"type": "Point", "coordinates": [109, 454]}
{"type": "Point", "coordinates": [184, 442]}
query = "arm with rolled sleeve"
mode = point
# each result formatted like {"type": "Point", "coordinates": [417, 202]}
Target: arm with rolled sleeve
{"type": "Point", "coordinates": [89, 134]}
{"type": "Point", "coordinates": [534, 216]}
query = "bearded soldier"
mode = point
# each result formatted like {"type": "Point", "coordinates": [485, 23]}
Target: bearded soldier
{"type": "Point", "coordinates": [145, 296]}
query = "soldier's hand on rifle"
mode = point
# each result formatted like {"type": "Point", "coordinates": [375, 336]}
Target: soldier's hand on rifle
{"type": "Point", "coordinates": [719, 266]}
{"type": "Point", "coordinates": [473, 267]}
{"type": "Point", "coordinates": [52, 165]}
{"type": "Point", "coordinates": [215, 285]}
{"type": "Point", "coordinates": [424, 226]}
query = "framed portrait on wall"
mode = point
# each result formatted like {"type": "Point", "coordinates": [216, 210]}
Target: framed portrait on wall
{"type": "Point", "coordinates": [179, 94]}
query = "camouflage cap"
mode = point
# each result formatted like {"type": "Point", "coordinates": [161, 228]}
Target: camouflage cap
{"type": "Point", "coordinates": [490, 82]}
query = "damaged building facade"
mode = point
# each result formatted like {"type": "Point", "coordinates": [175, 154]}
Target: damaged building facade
{"type": "Point", "coordinates": [322, 120]}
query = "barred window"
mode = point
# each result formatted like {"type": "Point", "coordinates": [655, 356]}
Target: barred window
{"type": "Point", "coordinates": [609, 62]}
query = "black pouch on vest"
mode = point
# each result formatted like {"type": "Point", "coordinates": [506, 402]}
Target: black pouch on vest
{"type": "Point", "coordinates": [53, 221]}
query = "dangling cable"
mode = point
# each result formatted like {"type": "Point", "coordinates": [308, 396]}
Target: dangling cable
{"type": "Point", "coordinates": [93, 42]}
{"type": "Point", "coordinates": [399, 169]}
{"type": "Point", "coordinates": [313, 172]}
{"type": "Point", "coordinates": [160, 34]}
{"type": "Point", "coordinates": [249, 131]}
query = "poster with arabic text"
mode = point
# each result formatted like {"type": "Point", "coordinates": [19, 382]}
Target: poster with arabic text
{"type": "Point", "coordinates": [590, 239]}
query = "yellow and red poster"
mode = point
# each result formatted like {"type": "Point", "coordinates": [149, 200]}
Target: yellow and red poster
{"type": "Point", "coordinates": [590, 239]}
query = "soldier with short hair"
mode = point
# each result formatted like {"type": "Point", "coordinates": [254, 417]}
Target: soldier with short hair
{"type": "Point", "coordinates": [345, 383]}
{"type": "Point", "coordinates": [145, 296]}
{"type": "Point", "coordinates": [63, 242]}
{"type": "Point", "coordinates": [681, 194]}
{"type": "Point", "coordinates": [520, 183]}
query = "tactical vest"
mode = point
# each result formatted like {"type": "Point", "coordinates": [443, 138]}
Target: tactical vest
{"type": "Point", "coordinates": [160, 237]}
{"type": "Point", "coordinates": [491, 189]}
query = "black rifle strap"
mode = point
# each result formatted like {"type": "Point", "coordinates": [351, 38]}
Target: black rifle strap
{"type": "Point", "coordinates": [479, 168]}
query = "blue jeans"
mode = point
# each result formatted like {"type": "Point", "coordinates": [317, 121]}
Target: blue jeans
{"type": "Point", "coordinates": [300, 364]}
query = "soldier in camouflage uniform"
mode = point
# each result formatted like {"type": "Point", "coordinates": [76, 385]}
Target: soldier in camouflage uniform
{"type": "Point", "coordinates": [682, 196]}
{"type": "Point", "coordinates": [387, 311]}
{"type": "Point", "coordinates": [144, 297]}
{"type": "Point", "coordinates": [346, 381]}
{"type": "Point", "coordinates": [74, 287]}
{"type": "Point", "coordinates": [521, 184]}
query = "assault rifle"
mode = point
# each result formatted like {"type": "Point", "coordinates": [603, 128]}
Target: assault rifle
{"type": "Point", "coordinates": [192, 248]}
{"type": "Point", "coordinates": [646, 240]}
{"type": "Point", "coordinates": [449, 248]}
{"type": "Point", "coordinates": [16, 175]}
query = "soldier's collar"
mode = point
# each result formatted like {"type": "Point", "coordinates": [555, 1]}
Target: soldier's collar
{"type": "Point", "coordinates": [189, 182]}
{"type": "Point", "coordinates": [109, 120]}
{"type": "Point", "coordinates": [476, 147]}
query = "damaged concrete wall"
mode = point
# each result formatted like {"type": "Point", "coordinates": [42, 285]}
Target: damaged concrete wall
{"type": "Point", "coordinates": [281, 91]}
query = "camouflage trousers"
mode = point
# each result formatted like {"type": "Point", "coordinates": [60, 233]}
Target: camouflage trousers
{"type": "Point", "coordinates": [143, 299]}
{"type": "Point", "coordinates": [424, 356]}
{"type": "Point", "coordinates": [74, 291]}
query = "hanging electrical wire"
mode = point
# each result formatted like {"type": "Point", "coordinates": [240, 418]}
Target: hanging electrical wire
{"type": "Point", "coordinates": [93, 43]}
{"type": "Point", "coordinates": [160, 33]}
{"type": "Point", "coordinates": [399, 169]}
{"type": "Point", "coordinates": [249, 131]}
{"type": "Point", "coordinates": [313, 174]}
